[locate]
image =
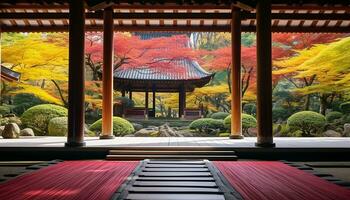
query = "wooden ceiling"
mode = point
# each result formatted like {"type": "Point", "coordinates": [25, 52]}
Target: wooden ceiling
{"type": "Point", "coordinates": [176, 15]}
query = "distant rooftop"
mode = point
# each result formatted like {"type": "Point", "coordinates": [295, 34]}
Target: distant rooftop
{"type": "Point", "coordinates": [9, 74]}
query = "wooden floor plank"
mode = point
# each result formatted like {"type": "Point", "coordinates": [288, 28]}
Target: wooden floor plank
{"type": "Point", "coordinates": [174, 196]}
{"type": "Point", "coordinates": [174, 190]}
{"type": "Point", "coordinates": [175, 183]}
{"type": "Point", "coordinates": [179, 174]}
{"type": "Point", "coordinates": [176, 170]}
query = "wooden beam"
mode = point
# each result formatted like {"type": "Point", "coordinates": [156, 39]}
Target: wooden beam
{"type": "Point", "coordinates": [146, 104]}
{"type": "Point", "coordinates": [76, 89]}
{"type": "Point", "coordinates": [177, 7]}
{"type": "Point", "coordinates": [170, 16]}
{"type": "Point", "coordinates": [236, 90]}
{"type": "Point", "coordinates": [179, 28]}
{"type": "Point", "coordinates": [264, 74]}
{"type": "Point", "coordinates": [107, 75]}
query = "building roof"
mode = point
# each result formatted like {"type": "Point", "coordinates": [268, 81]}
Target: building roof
{"type": "Point", "coordinates": [191, 71]}
{"type": "Point", "coordinates": [169, 15]}
{"type": "Point", "coordinates": [191, 75]}
{"type": "Point", "coordinates": [8, 74]}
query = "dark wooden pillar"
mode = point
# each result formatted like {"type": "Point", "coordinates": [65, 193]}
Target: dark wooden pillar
{"type": "Point", "coordinates": [154, 103]}
{"type": "Point", "coordinates": [182, 101]}
{"type": "Point", "coordinates": [146, 104]}
{"type": "Point", "coordinates": [264, 74]}
{"type": "Point", "coordinates": [130, 95]}
{"type": "Point", "coordinates": [123, 93]}
{"type": "Point", "coordinates": [76, 111]}
{"type": "Point", "coordinates": [107, 75]}
{"type": "Point", "coordinates": [236, 91]}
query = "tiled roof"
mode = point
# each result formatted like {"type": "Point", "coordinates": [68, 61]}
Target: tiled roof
{"type": "Point", "coordinates": [9, 74]}
{"type": "Point", "coordinates": [191, 71]}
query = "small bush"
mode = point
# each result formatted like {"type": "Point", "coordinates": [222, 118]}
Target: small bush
{"type": "Point", "coordinates": [121, 126]}
{"type": "Point", "coordinates": [38, 117]}
{"type": "Point", "coordinates": [280, 114]}
{"type": "Point", "coordinates": [58, 126]}
{"type": "Point", "coordinates": [219, 115]}
{"type": "Point", "coordinates": [331, 116]}
{"type": "Point", "coordinates": [250, 108]}
{"type": "Point", "coordinates": [345, 107]}
{"type": "Point", "coordinates": [248, 121]}
{"type": "Point", "coordinates": [125, 101]}
{"type": "Point", "coordinates": [4, 110]}
{"type": "Point", "coordinates": [308, 122]}
{"type": "Point", "coordinates": [207, 125]}
{"type": "Point", "coordinates": [24, 101]}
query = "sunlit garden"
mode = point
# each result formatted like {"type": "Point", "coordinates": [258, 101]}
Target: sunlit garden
{"type": "Point", "coordinates": [310, 85]}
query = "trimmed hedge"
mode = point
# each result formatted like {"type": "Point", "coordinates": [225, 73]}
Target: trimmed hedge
{"type": "Point", "coordinates": [204, 125]}
{"type": "Point", "coordinates": [345, 107]}
{"type": "Point", "coordinates": [331, 116]}
{"type": "Point", "coordinates": [308, 122]}
{"type": "Point", "coordinates": [58, 126]}
{"type": "Point", "coordinates": [4, 110]}
{"type": "Point", "coordinates": [121, 126]}
{"type": "Point", "coordinates": [248, 121]}
{"type": "Point", "coordinates": [38, 117]}
{"type": "Point", "coordinates": [219, 115]}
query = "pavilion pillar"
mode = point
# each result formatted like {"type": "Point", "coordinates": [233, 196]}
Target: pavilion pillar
{"type": "Point", "coordinates": [182, 101]}
{"type": "Point", "coordinates": [123, 93]}
{"type": "Point", "coordinates": [154, 103]}
{"type": "Point", "coordinates": [130, 95]}
{"type": "Point", "coordinates": [264, 74]}
{"type": "Point", "coordinates": [76, 111]}
{"type": "Point", "coordinates": [107, 75]}
{"type": "Point", "coordinates": [236, 90]}
{"type": "Point", "coordinates": [146, 104]}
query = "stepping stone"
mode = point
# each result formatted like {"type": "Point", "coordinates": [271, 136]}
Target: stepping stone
{"type": "Point", "coordinates": [175, 184]}
{"type": "Point", "coordinates": [174, 196]}
{"type": "Point", "coordinates": [174, 189]}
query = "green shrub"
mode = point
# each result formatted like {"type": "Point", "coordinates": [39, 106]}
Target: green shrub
{"type": "Point", "coordinates": [331, 116]}
{"type": "Point", "coordinates": [250, 108]}
{"type": "Point", "coordinates": [38, 117]}
{"type": "Point", "coordinates": [308, 122]}
{"type": "Point", "coordinates": [121, 126]}
{"type": "Point", "coordinates": [4, 110]}
{"type": "Point", "coordinates": [345, 107]}
{"type": "Point", "coordinates": [6, 120]}
{"type": "Point", "coordinates": [280, 113]}
{"type": "Point", "coordinates": [58, 126]}
{"type": "Point", "coordinates": [248, 121]}
{"type": "Point", "coordinates": [24, 101]}
{"type": "Point", "coordinates": [219, 115]}
{"type": "Point", "coordinates": [207, 125]}
{"type": "Point", "coordinates": [125, 101]}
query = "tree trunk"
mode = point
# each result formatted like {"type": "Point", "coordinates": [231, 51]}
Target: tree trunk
{"type": "Point", "coordinates": [323, 104]}
{"type": "Point", "coordinates": [307, 102]}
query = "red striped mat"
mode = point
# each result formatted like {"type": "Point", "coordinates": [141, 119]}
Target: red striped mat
{"type": "Point", "coordinates": [263, 180]}
{"type": "Point", "coordinates": [69, 180]}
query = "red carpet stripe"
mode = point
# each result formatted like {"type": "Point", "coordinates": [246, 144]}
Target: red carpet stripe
{"type": "Point", "coordinates": [262, 180]}
{"type": "Point", "coordinates": [70, 180]}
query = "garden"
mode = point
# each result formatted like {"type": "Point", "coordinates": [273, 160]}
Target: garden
{"type": "Point", "coordinates": [310, 85]}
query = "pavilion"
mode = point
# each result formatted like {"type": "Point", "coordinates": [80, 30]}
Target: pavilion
{"type": "Point", "coordinates": [235, 16]}
{"type": "Point", "coordinates": [154, 80]}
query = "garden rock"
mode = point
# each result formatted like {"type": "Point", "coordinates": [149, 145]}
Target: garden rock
{"type": "Point", "coordinates": [166, 131]}
{"type": "Point", "coordinates": [346, 132]}
{"type": "Point", "coordinates": [251, 132]}
{"type": "Point", "coordinates": [2, 129]}
{"type": "Point", "coordinates": [27, 132]}
{"type": "Point", "coordinates": [10, 131]}
{"type": "Point", "coordinates": [146, 132]}
{"type": "Point", "coordinates": [331, 133]}
{"type": "Point", "coordinates": [137, 126]}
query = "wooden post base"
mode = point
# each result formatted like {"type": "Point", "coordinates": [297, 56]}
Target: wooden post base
{"type": "Point", "coordinates": [106, 137]}
{"type": "Point", "coordinates": [75, 144]}
{"type": "Point", "coordinates": [236, 137]}
{"type": "Point", "coordinates": [265, 145]}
